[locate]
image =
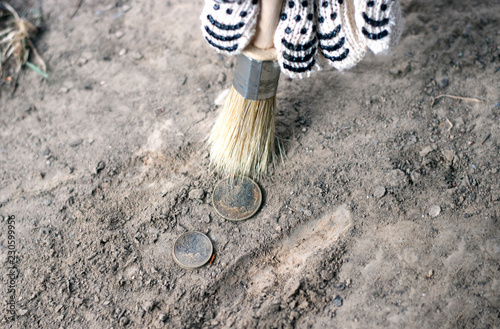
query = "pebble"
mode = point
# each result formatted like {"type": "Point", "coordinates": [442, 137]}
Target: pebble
{"type": "Point", "coordinates": [148, 306]}
{"type": "Point", "coordinates": [221, 78]}
{"type": "Point", "coordinates": [426, 150]}
{"type": "Point", "coordinates": [434, 211]}
{"type": "Point", "coordinates": [337, 301]}
{"type": "Point", "coordinates": [443, 83]}
{"type": "Point", "coordinates": [196, 194]}
{"type": "Point", "coordinates": [137, 55]}
{"type": "Point", "coordinates": [163, 317]}
{"type": "Point", "coordinates": [124, 321]}
{"type": "Point", "coordinates": [48, 202]}
{"type": "Point", "coordinates": [100, 166]}
{"type": "Point", "coordinates": [205, 218]}
{"type": "Point", "coordinates": [379, 192]}
{"type": "Point", "coordinates": [122, 52]}
{"type": "Point", "coordinates": [76, 142]}
{"type": "Point", "coordinates": [119, 34]}
{"type": "Point", "coordinates": [397, 178]}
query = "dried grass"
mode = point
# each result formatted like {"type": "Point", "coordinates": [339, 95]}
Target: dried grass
{"type": "Point", "coordinates": [16, 48]}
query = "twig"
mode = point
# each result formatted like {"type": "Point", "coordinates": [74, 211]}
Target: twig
{"type": "Point", "coordinates": [485, 139]}
{"type": "Point", "coordinates": [475, 100]}
{"type": "Point", "coordinates": [78, 4]}
{"type": "Point", "coordinates": [451, 125]}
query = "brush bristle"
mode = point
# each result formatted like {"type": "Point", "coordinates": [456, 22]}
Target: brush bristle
{"type": "Point", "coordinates": [242, 139]}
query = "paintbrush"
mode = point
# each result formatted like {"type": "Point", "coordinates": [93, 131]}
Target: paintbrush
{"type": "Point", "coordinates": [242, 139]}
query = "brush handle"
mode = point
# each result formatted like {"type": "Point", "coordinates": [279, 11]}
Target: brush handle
{"type": "Point", "coordinates": [267, 22]}
{"type": "Point", "coordinates": [262, 44]}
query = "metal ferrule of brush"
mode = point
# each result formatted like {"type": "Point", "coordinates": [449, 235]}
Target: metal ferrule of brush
{"type": "Point", "coordinates": [255, 79]}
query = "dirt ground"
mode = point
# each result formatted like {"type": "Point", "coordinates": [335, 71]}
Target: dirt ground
{"type": "Point", "coordinates": [384, 214]}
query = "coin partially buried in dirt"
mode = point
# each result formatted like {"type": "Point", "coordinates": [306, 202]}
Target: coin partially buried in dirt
{"type": "Point", "coordinates": [237, 198]}
{"type": "Point", "coordinates": [192, 250]}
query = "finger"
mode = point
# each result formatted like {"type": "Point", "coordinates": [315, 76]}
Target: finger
{"type": "Point", "coordinates": [378, 23]}
{"type": "Point", "coordinates": [338, 41]}
{"type": "Point", "coordinates": [295, 38]}
{"type": "Point", "coordinates": [229, 26]}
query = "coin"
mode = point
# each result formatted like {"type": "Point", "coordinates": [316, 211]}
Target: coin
{"type": "Point", "coordinates": [237, 198]}
{"type": "Point", "coordinates": [192, 250]}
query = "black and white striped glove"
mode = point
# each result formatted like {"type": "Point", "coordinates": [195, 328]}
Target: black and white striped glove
{"type": "Point", "coordinates": [310, 32]}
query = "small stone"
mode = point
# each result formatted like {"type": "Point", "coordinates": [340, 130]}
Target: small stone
{"type": "Point", "coordinates": [148, 306]}
{"type": "Point", "coordinates": [100, 166]}
{"type": "Point", "coordinates": [126, 8]}
{"type": "Point", "coordinates": [22, 312]}
{"type": "Point", "coordinates": [64, 90]}
{"type": "Point", "coordinates": [137, 55]}
{"type": "Point", "coordinates": [449, 155]}
{"type": "Point", "coordinates": [426, 150]}
{"type": "Point", "coordinates": [205, 218]}
{"type": "Point", "coordinates": [122, 52]}
{"type": "Point", "coordinates": [119, 34]}
{"type": "Point", "coordinates": [76, 142]}
{"type": "Point", "coordinates": [124, 321]}
{"type": "Point", "coordinates": [163, 317]}
{"type": "Point", "coordinates": [443, 83]}
{"type": "Point", "coordinates": [434, 211]}
{"type": "Point", "coordinates": [397, 178]}
{"type": "Point", "coordinates": [379, 192]}
{"type": "Point", "coordinates": [337, 301]}
{"type": "Point", "coordinates": [48, 202]}
{"type": "Point", "coordinates": [292, 287]}
{"type": "Point", "coordinates": [196, 194]}
{"type": "Point", "coordinates": [221, 78]}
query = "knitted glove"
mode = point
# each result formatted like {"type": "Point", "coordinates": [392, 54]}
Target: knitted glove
{"type": "Point", "coordinates": [344, 30]}
{"type": "Point", "coordinates": [310, 32]}
{"type": "Point", "coordinates": [228, 25]}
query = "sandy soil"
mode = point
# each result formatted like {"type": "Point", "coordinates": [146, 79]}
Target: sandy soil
{"type": "Point", "coordinates": [384, 214]}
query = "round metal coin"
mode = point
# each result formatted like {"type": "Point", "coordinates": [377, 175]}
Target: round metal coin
{"type": "Point", "coordinates": [192, 250]}
{"type": "Point", "coordinates": [237, 198]}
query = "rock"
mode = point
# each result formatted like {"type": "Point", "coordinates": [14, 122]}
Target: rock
{"type": "Point", "coordinates": [196, 194]}
{"type": "Point", "coordinates": [22, 312]}
{"type": "Point", "coordinates": [100, 166]}
{"type": "Point", "coordinates": [292, 287]}
{"type": "Point", "coordinates": [148, 306]}
{"type": "Point", "coordinates": [124, 321]}
{"type": "Point", "coordinates": [397, 178]}
{"type": "Point", "coordinates": [337, 301]}
{"type": "Point", "coordinates": [379, 192]}
{"type": "Point", "coordinates": [137, 55]}
{"type": "Point", "coordinates": [444, 82]}
{"type": "Point", "coordinates": [449, 155]}
{"type": "Point", "coordinates": [163, 317]}
{"type": "Point", "coordinates": [221, 78]}
{"type": "Point", "coordinates": [434, 211]}
{"type": "Point", "coordinates": [426, 150]}
{"type": "Point", "coordinates": [76, 142]}
{"type": "Point", "coordinates": [205, 218]}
